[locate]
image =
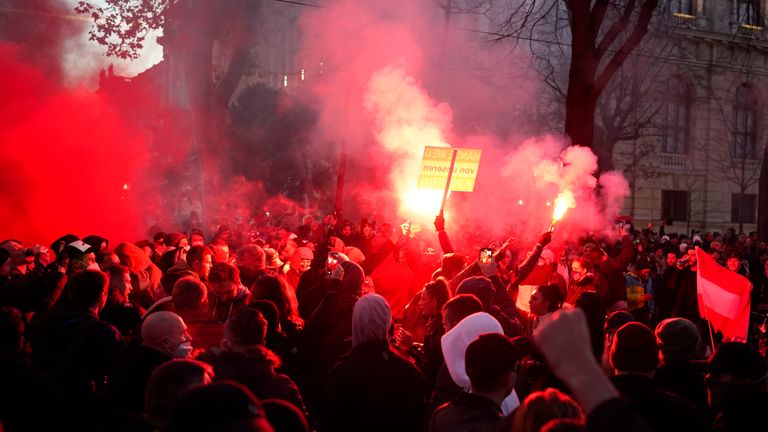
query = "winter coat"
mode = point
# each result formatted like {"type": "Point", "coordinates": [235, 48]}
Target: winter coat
{"type": "Point", "coordinates": [467, 413]}
{"type": "Point", "coordinates": [373, 389]}
{"type": "Point", "coordinates": [253, 367]}
{"type": "Point", "coordinates": [661, 410]}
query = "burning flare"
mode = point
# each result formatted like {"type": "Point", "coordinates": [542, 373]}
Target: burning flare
{"type": "Point", "coordinates": [563, 202]}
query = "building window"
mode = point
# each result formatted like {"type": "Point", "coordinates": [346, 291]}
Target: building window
{"type": "Point", "coordinates": [743, 208]}
{"type": "Point", "coordinates": [745, 14]}
{"type": "Point", "coordinates": [682, 8]}
{"type": "Point", "coordinates": [674, 205]}
{"type": "Point", "coordinates": [744, 127]}
{"type": "Point", "coordinates": [677, 117]}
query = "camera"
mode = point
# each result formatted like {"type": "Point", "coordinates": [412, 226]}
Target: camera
{"type": "Point", "coordinates": [330, 265]}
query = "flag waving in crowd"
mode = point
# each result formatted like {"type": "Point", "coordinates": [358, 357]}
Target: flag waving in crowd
{"type": "Point", "coordinates": [724, 297]}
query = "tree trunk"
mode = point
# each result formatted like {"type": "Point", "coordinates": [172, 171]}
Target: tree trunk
{"type": "Point", "coordinates": [581, 99]}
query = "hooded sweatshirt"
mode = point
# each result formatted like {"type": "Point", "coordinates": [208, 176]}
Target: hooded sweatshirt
{"type": "Point", "coordinates": [455, 343]}
{"type": "Point", "coordinates": [371, 318]}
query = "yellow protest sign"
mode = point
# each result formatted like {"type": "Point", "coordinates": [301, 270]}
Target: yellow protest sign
{"type": "Point", "coordinates": [437, 162]}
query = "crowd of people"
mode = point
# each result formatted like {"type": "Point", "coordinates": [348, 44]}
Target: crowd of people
{"type": "Point", "coordinates": [335, 326]}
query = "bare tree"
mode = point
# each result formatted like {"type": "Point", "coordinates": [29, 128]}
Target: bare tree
{"type": "Point", "coordinates": [601, 35]}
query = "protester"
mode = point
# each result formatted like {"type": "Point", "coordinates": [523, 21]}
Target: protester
{"type": "Point", "coordinates": [540, 408]}
{"type": "Point", "coordinates": [243, 358]}
{"type": "Point", "coordinates": [227, 292]}
{"type": "Point", "coordinates": [373, 388]}
{"type": "Point", "coordinates": [166, 385]}
{"type": "Point", "coordinates": [118, 310]}
{"type": "Point", "coordinates": [490, 362]}
{"type": "Point", "coordinates": [352, 365]}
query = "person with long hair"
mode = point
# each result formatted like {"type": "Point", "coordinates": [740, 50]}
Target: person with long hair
{"type": "Point", "coordinates": [544, 301]}
{"type": "Point", "coordinates": [275, 289]}
{"type": "Point", "coordinates": [118, 310]}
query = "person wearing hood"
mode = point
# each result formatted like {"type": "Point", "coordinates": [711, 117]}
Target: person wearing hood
{"type": "Point", "coordinates": [490, 362]}
{"type": "Point", "coordinates": [226, 292]}
{"type": "Point", "coordinates": [454, 344]}
{"type": "Point", "coordinates": [373, 388]}
{"type": "Point", "coordinates": [145, 276]}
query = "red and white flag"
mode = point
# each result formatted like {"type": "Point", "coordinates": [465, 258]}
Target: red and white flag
{"type": "Point", "coordinates": [724, 297]}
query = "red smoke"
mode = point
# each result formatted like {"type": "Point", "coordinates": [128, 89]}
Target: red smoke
{"type": "Point", "coordinates": [65, 159]}
{"type": "Point", "coordinates": [396, 77]}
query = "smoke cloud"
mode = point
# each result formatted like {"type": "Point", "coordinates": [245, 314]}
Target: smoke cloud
{"type": "Point", "coordinates": [67, 162]}
{"type": "Point", "coordinates": [396, 78]}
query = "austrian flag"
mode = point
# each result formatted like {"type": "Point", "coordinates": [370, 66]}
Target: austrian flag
{"type": "Point", "coordinates": [724, 297]}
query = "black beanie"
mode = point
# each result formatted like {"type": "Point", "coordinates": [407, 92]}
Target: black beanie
{"type": "Point", "coordinates": [634, 349]}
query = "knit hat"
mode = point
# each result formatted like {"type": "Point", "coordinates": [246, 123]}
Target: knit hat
{"type": "Point", "coordinates": [353, 278]}
{"type": "Point", "coordinates": [174, 238]}
{"type": "Point", "coordinates": [634, 349]}
{"type": "Point", "coordinates": [492, 355]}
{"type": "Point", "coordinates": [480, 286]}
{"type": "Point", "coordinates": [678, 340]}
{"type": "Point", "coordinates": [617, 319]}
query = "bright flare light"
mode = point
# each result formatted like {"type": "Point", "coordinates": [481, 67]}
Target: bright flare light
{"type": "Point", "coordinates": [422, 202]}
{"type": "Point", "coordinates": [563, 202]}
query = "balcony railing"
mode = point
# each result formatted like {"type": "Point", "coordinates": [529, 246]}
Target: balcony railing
{"type": "Point", "coordinates": [673, 160]}
{"type": "Point", "coordinates": [682, 19]}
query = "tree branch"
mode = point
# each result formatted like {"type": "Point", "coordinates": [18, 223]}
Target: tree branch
{"type": "Point", "coordinates": [634, 39]}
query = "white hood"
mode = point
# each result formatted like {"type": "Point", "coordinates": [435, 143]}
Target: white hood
{"type": "Point", "coordinates": [454, 345]}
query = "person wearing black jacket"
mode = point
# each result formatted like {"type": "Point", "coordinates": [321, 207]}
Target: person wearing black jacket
{"type": "Point", "coordinates": [373, 388]}
{"type": "Point", "coordinates": [72, 343]}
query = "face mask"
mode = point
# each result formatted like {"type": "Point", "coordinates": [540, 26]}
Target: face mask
{"type": "Point", "coordinates": [183, 350]}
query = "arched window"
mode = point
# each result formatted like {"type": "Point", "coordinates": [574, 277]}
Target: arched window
{"type": "Point", "coordinates": [678, 116]}
{"type": "Point", "coordinates": [744, 127]}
